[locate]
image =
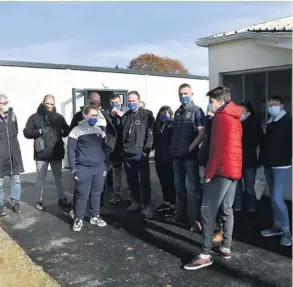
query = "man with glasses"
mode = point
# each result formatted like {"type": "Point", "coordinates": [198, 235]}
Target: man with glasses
{"type": "Point", "coordinates": [10, 155]}
{"type": "Point", "coordinates": [46, 127]}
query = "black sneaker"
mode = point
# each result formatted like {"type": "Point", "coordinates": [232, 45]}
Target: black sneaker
{"type": "Point", "coordinates": [39, 206]}
{"type": "Point", "coordinates": [163, 207]}
{"type": "Point", "coordinates": [64, 202]}
{"type": "Point", "coordinates": [2, 211]}
{"type": "Point", "coordinates": [16, 207]}
{"type": "Point", "coordinates": [196, 227]}
{"type": "Point", "coordinates": [170, 212]}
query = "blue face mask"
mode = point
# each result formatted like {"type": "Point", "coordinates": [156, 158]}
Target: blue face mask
{"type": "Point", "coordinates": [164, 118]}
{"type": "Point", "coordinates": [185, 100]}
{"type": "Point", "coordinates": [92, 121]}
{"type": "Point", "coordinates": [242, 118]}
{"type": "Point", "coordinates": [132, 106]}
{"type": "Point", "coordinates": [116, 105]}
{"type": "Point", "coordinates": [274, 111]}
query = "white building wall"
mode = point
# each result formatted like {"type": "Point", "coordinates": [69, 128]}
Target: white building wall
{"type": "Point", "coordinates": [26, 87]}
{"type": "Point", "coordinates": [243, 55]}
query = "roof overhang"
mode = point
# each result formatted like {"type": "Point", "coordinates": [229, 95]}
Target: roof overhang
{"type": "Point", "coordinates": [276, 37]}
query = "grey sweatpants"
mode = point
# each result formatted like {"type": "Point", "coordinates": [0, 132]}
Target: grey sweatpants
{"type": "Point", "coordinates": [219, 192]}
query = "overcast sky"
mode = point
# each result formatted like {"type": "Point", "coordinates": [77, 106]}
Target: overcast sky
{"type": "Point", "coordinates": [106, 34]}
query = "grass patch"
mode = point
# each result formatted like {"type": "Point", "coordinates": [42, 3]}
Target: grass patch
{"type": "Point", "coordinates": [17, 269]}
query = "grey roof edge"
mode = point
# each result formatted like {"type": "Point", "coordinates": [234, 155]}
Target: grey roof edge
{"type": "Point", "coordinates": [38, 65]}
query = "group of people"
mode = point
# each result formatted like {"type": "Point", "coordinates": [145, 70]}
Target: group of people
{"type": "Point", "coordinates": [228, 141]}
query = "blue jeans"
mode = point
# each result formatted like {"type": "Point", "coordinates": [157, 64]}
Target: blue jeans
{"type": "Point", "coordinates": [15, 187]}
{"type": "Point", "coordinates": [248, 179]}
{"type": "Point", "coordinates": [277, 180]}
{"type": "Point", "coordinates": [189, 168]}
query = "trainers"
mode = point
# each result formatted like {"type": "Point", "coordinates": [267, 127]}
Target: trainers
{"type": "Point", "coordinates": [164, 206]}
{"type": "Point", "coordinates": [196, 227]}
{"type": "Point", "coordinates": [134, 207]}
{"type": "Point", "coordinates": [170, 212]}
{"type": "Point", "coordinates": [77, 225]}
{"type": "Point", "coordinates": [147, 212]}
{"type": "Point", "coordinates": [64, 202]}
{"type": "Point", "coordinates": [116, 199]}
{"type": "Point", "coordinates": [16, 207]}
{"type": "Point", "coordinates": [218, 236]}
{"type": "Point", "coordinates": [198, 262]}
{"type": "Point", "coordinates": [39, 206]}
{"type": "Point", "coordinates": [2, 210]}
{"type": "Point", "coordinates": [227, 254]}
{"type": "Point", "coordinates": [97, 220]}
{"type": "Point", "coordinates": [273, 231]}
{"type": "Point", "coordinates": [286, 239]}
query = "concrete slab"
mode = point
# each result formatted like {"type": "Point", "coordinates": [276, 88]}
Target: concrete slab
{"type": "Point", "coordinates": [132, 251]}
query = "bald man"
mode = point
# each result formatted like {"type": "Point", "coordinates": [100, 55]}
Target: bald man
{"type": "Point", "coordinates": [47, 128]}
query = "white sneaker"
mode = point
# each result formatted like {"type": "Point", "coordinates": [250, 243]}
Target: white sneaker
{"type": "Point", "coordinates": [97, 220]}
{"type": "Point", "coordinates": [77, 225]}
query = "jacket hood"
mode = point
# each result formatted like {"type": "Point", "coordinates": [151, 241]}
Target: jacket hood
{"type": "Point", "coordinates": [43, 111]}
{"type": "Point", "coordinates": [231, 109]}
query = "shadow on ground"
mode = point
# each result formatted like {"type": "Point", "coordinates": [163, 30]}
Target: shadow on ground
{"type": "Point", "coordinates": [132, 251]}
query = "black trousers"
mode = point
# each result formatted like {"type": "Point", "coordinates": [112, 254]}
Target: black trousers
{"type": "Point", "coordinates": [166, 177]}
{"type": "Point", "coordinates": [109, 179]}
{"type": "Point", "coordinates": [89, 187]}
{"type": "Point", "coordinates": [138, 176]}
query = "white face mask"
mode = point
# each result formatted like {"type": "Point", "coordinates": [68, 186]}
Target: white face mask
{"type": "Point", "coordinates": [5, 108]}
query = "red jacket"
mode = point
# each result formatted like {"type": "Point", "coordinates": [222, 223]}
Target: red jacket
{"type": "Point", "coordinates": [225, 157]}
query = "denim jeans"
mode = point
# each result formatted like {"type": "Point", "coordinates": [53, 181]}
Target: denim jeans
{"type": "Point", "coordinates": [189, 168]}
{"type": "Point", "coordinates": [42, 169]}
{"type": "Point", "coordinates": [15, 188]}
{"type": "Point", "coordinates": [248, 179]}
{"type": "Point", "coordinates": [277, 180]}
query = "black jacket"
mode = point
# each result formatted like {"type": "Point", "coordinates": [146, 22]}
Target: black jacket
{"type": "Point", "coordinates": [117, 123]}
{"type": "Point", "coordinates": [187, 120]}
{"type": "Point", "coordinates": [204, 150]}
{"type": "Point", "coordinates": [10, 154]}
{"type": "Point", "coordinates": [137, 134]}
{"type": "Point", "coordinates": [252, 138]}
{"type": "Point", "coordinates": [162, 140]}
{"type": "Point", "coordinates": [52, 127]}
{"type": "Point", "coordinates": [111, 135]}
{"type": "Point", "coordinates": [277, 148]}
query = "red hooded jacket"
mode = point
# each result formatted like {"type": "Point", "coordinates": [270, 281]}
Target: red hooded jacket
{"type": "Point", "coordinates": [225, 157]}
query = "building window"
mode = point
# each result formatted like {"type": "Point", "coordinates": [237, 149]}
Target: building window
{"type": "Point", "coordinates": [235, 83]}
{"type": "Point", "coordinates": [259, 87]}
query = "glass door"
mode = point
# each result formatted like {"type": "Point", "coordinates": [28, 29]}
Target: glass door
{"type": "Point", "coordinates": [78, 99]}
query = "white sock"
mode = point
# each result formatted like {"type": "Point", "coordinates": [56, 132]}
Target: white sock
{"type": "Point", "coordinates": [204, 256]}
{"type": "Point", "coordinates": [225, 249]}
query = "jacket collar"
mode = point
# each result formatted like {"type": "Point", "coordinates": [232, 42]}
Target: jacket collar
{"type": "Point", "coordinates": [278, 117]}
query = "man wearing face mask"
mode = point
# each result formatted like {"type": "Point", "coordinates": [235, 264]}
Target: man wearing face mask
{"type": "Point", "coordinates": [223, 170]}
{"type": "Point", "coordinates": [276, 157]}
{"type": "Point", "coordinates": [116, 113]}
{"type": "Point", "coordinates": [47, 128]}
{"type": "Point", "coordinates": [137, 140]}
{"type": "Point", "coordinates": [10, 155]}
{"type": "Point", "coordinates": [188, 133]}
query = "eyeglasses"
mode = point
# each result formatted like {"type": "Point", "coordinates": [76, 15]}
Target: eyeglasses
{"type": "Point", "coordinates": [94, 116]}
{"type": "Point", "coordinates": [50, 105]}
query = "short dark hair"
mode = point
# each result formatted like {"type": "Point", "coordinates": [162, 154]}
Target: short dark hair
{"type": "Point", "coordinates": [277, 99]}
{"type": "Point", "coordinates": [184, 86]}
{"type": "Point", "coordinates": [86, 110]}
{"type": "Point", "coordinates": [134, 93]}
{"type": "Point", "coordinates": [249, 107]}
{"type": "Point", "coordinates": [114, 96]}
{"type": "Point", "coordinates": [220, 94]}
